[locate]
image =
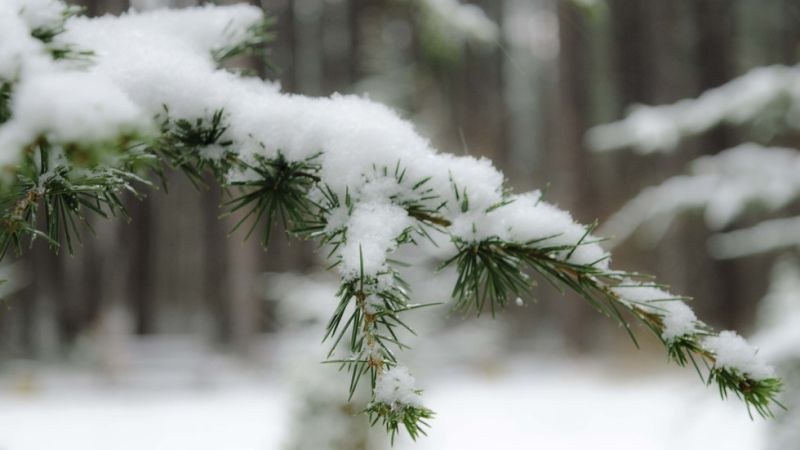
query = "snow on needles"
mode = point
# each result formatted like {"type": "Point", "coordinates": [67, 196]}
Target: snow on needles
{"type": "Point", "coordinates": [371, 233]}
{"type": "Point", "coordinates": [147, 62]}
{"type": "Point", "coordinates": [527, 219]}
{"type": "Point", "coordinates": [734, 353]}
{"type": "Point", "coordinates": [395, 387]}
{"type": "Point", "coordinates": [372, 164]}
{"type": "Point", "coordinates": [88, 108]}
{"type": "Point", "coordinates": [678, 318]}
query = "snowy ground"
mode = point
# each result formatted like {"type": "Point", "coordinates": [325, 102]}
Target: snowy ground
{"type": "Point", "coordinates": [579, 409]}
{"type": "Point", "coordinates": [560, 406]}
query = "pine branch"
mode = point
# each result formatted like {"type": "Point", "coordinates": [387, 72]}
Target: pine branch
{"type": "Point", "coordinates": [491, 271]}
{"type": "Point", "coordinates": [64, 195]}
{"type": "Point", "coordinates": [181, 144]}
{"type": "Point", "coordinates": [380, 209]}
{"type": "Point", "coordinates": [277, 191]}
{"type": "Point", "coordinates": [413, 418]}
{"type": "Point", "coordinates": [373, 306]}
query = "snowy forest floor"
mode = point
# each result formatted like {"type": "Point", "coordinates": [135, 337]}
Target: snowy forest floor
{"type": "Point", "coordinates": [528, 404]}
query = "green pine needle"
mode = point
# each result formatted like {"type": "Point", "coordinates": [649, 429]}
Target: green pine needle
{"type": "Point", "coordinates": [413, 418]}
{"type": "Point", "coordinates": [277, 193]}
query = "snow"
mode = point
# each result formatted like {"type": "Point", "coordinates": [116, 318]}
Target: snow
{"type": "Point", "coordinates": [778, 335]}
{"type": "Point", "coordinates": [678, 318]}
{"type": "Point", "coordinates": [358, 137]}
{"type": "Point", "coordinates": [371, 233]}
{"type": "Point", "coordinates": [372, 304]}
{"type": "Point", "coordinates": [779, 314]}
{"type": "Point", "coordinates": [723, 186]}
{"type": "Point", "coordinates": [164, 57]}
{"type": "Point", "coordinates": [303, 300]}
{"type": "Point", "coordinates": [733, 352]}
{"type": "Point", "coordinates": [395, 387]}
{"type": "Point", "coordinates": [240, 418]}
{"type": "Point", "coordinates": [38, 13]}
{"type": "Point", "coordinates": [26, 54]}
{"type": "Point", "coordinates": [149, 63]}
{"type": "Point", "coordinates": [526, 218]}
{"type": "Point", "coordinates": [576, 407]}
{"type": "Point", "coordinates": [555, 405]}
{"type": "Point", "coordinates": [161, 62]}
{"type": "Point", "coordinates": [651, 129]}
{"type": "Point", "coordinates": [71, 107]}
{"type": "Point", "coordinates": [779, 343]}
{"type": "Point", "coordinates": [529, 218]}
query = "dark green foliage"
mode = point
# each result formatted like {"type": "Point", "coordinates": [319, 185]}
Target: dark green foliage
{"type": "Point", "coordinates": [182, 140]}
{"type": "Point", "coordinates": [363, 326]}
{"type": "Point", "coordinates": [67, 51]}
{"type": "Point", "coordinates": [371, 327]}
{"type": "Point", "coordinates": [492, 270]}
{"type": "Point", "coordinates": [278, 191]}
{"type": "Point", "coordinates": [64, 184]}
{"type": "Point", "coordinates": [368, 325]}
{"type": "Point", "coordinates": [275, 190]}
{"type": "Point", "coordinates": [758, 394]}
{"type": "Point", "coordinates": [17, 221]}
{"type": "Point", "coordinates": [487, 273]}
{"type": "Point", "coordinates": [316, 227]}
{"type": "Point", "coordinates": [63, 195]}
{"type": "Point", "coordinates": [412, 418]}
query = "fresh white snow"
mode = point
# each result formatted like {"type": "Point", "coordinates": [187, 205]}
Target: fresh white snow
{"type": "Point", "coordinates": [151, 64]}
{"type": "Point", "coordinates": [549, 405]}
{"type": "Point", "coordinates": [733, 352]}
{"type": "Point", "coordinates": [395, 387]}
{"type": "Point", "coordinates": [678, 318]}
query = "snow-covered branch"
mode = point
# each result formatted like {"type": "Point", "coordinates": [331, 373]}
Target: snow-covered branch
{"type": "Point", "coordinates": [343, 170]}
{"type": "Point", "coordinates": [778, 335]}
{"type": "Point", "coordinates": [649, 129]}
{"type": "Point", "coordinates": [460, 21]}
{"type": "Point", "coordinates": [767, 236]}
{"type": "Point", "coordinates": [722, 186]}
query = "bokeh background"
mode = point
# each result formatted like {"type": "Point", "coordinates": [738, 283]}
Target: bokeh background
{"type": "Point", "coordinates": [165, 332]}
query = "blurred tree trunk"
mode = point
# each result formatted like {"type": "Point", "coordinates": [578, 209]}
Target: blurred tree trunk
{"type": "Point", "coordinates": [100, 7]}
{"type": "Point", "coordinates": [140, 285]}
{"type": "Point", "coordinates": [570, 160]}
{"type": "Point", "coordinates": [714, 22]}
{"type": "Point", "coordinates": [479, 108]}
